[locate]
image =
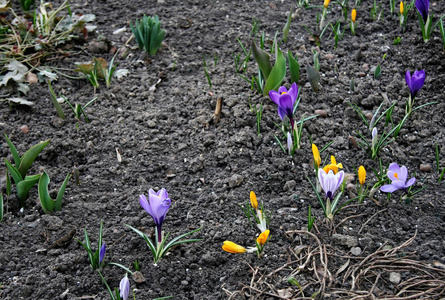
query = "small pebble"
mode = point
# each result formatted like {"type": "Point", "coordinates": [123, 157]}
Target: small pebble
{"type": "Point", "coordinates": [24, 129]}
{"type": "Point", "coordinates": [356, 251]}
{"type": "Point", "coordinates": [321, 112]}
{"type": "Point", "coordinates": [395, 277]}
{"type": "Point", "coordinates": [369, 116]}
{"type": "Point", "coordinates": [425, 167]}
{"type": "Point", "coordinates": [329, 56]}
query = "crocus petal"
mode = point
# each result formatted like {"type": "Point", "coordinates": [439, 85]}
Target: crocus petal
{"type": "Point", "coordinates": [233, 248]}
{"type": "Point", "coordinates": [282, 89]}
{"type": "Point", "coordinates": [124, 288]}
{"type": "Point", "coordinates": [423, 7]}
{"type": "Point", "coordinates": [275, 96]}
{"type": "Point", "coordinates": [408, 80]}
{"type": "Point", "coordinates": [394, 168]}
{"type": "Point", "coordinates": [399, 184]}
{"type": "Point", "coordinates": [410, 182]}
{"type": "Point", "coordinates": [361, 175]}
{"type": "Point", "coordinates": [388, 188]}
{"type": "Point", "coordinates": [287, 104]}
{"type": "Point", "coordinates": [340, 176]}
{"type": "Point", "coordinates": [163, 193]}
{"type": "Point", "coordinates": [293, 91]}
{"type": "Point", "coordinates": [281, 113]}
{"type": "Point", "coordinates": [253, 200]}
{"type": "Point", "coordinates": [316, 153]}
{"type": "Point", "coordinates": [417, 81]}
{"type": "Point", "coordinates": [403, 175]}
{"type": "Point", "coordinates": [321, 175]}
{"type": "Point", "coordinates": [144, 203]}
{"type": "Point", "coordinates": [102, 251]}
{"type": "Point", "coordinates": [262, 238]}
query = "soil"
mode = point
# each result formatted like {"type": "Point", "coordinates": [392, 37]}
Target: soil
{"type": "Point", "coordinates": [166, 138]}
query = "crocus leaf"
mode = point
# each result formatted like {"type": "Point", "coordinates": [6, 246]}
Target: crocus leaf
{"type": "Point", "coordinates": [29, 157]}
{"type": "Point", "coordinates": [294, 68]}
{"type": "Point", "coordinates": [14, 152]}
{"type": "Point", "coordinates": [61, 192]}
{"type": "Point", "coordinates": [45, 200]}
{"type": "Point", "coordinates": [24, 186]}
{"type": "Point", "coordinates": [277, 74]}
{"type": "Point", "coordinates": [149, 243]}
{"type": "Point", "coordinates": [313, 77]}
{"type": "Point", "coordinates": [16, 176]}
{"type": "Point", "coordinates": [287, 26]}
{"type": "Point", "coordinates": [263, 60]}
{"type": "Point", "coordinates": [8, 184]}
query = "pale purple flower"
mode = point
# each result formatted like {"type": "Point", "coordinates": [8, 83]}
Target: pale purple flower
{"type": "Point", "coordinates": [102, 253]}
{"type": "Point", "coordinates": [416, 81]}
{"type": "Point", "coordinates": [398, 176]}
{"type": "Point", "coordinates": [157, 207]}
{"type": "Point", "coordinates": [330, 182]}
{"type": "Point", "coordinates": [285, 100]}
{"type": "Point", "coordinates": [124, 288]}
{"type": "Point", "coordinates": [423, 6]}
{"type": "Point", "coordinates": [374, 137]}
{"type": "Point", "coordinates": [289, 142]}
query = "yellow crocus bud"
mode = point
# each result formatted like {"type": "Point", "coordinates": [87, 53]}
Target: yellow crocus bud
{"type": "Point", "coordinates": [262, 239]}
{"type": "Point", "coordinates": [353, 15]}
{"type": "Point", "coordinates": [233, 248]}
{"type": "Point", "coordinates": [253, 200]}
{"type": "Point", "coordinates": [401, 7]}
{"type": "Point", "coordinates": [361, 175]}
{"type": "Point", "coordinates": [317, 158]}
{"type": "Point", "coordinates": [326, 3]}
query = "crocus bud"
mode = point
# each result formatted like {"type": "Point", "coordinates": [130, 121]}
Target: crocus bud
{"type": "Point", "coordinates": [102, 253]}
{"type": "Point", "coordinates": [289, 142]}
{"type": "Point", "coordinates": [317, 158]}
{"type": "Point", "coordinates": [262, 238]}
{"type": "Point", "coordinates": [233, 248]}
{"type": "Point", "coordinates": [253, 200]}
{"type": "Point", "coordinates": [326, 3]}
{"type": "Point", "coordinates": [374, 137]}
{"type": "Point", "coordinates": [401, 7]}
{"type": "Point", "coordinates": [353, 15]}
{"type": "Point", "coordinates": [361, 175]}
{"type": "Point", "coordinates": [124, 288]}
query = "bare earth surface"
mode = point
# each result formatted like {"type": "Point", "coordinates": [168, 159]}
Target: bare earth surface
{"type": "Point", "coordinates": [165, 140]}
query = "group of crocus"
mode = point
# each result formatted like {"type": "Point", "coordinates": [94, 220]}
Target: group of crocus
{"type": "Point", "coordinates": [261, 222]}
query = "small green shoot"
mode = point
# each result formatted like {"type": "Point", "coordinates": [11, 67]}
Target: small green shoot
{"type": "Point", "coordinates": [148, 34]}
{"type": "Point", "coordinates": [310, 219]}
{"type": "Point", "coordinates": [56, 104]}
{"type": "Point", "coordinates": [397, 40]}
{"type": "Point", "coordinates": [50, 205]}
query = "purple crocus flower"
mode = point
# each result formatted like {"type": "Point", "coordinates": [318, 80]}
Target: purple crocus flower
{"type": "Point", "coordinates": [157, 207]}
{"type": "Point", "coordinates": [330, 182]}
{"type": "Point", "coordinates": [398, 176]}
{"type": "Point", "coordinates": [124, 288]}
{"type": "Point", "coordinates": [102, 253]}
{"type": "Point", "coordinates": [416, 81]}
{"type": "Point", "coordinates": [285, 100]}
{"type": "Point", "coordinates": [423, 6]}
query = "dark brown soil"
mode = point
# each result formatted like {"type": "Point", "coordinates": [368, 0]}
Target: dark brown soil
{"type": "Point", "coordinates": [165, 140]}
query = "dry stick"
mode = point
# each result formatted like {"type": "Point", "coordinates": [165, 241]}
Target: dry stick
{"type": "Point", "coordinates": [367, 221]}
{"type": "Point", "coordinates": [348, 218]}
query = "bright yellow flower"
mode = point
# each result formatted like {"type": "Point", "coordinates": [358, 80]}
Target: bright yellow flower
{"type": "Point", "coordinates": [253, 200]}
{"type": "Point", "coordinates": [317, 158]}
{"type": "Point", "coordinates": [353, 15]}
{"type": "Point", "coordinates": [233, 248]}
{"type": "Point", "coordinates": [361, 175]}
{"type": "Point", "coordinates": [262, 239]}
{"type": "Point", "coordinates": [326, 3]}
{"type": "Point", "coordinates": [401, 7]}
{"type": "Point", "coordinates": [333, 166]}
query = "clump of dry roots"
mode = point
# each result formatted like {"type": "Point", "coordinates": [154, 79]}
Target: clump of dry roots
{"type": "Point", "coordinates": [320, 272]}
